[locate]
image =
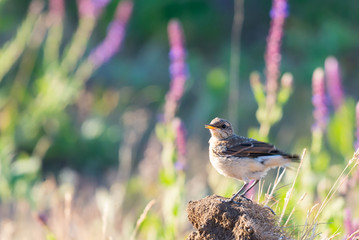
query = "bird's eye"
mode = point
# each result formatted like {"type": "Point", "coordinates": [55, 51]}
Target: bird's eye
{"type": "Point", "coordinates": [224, 126]}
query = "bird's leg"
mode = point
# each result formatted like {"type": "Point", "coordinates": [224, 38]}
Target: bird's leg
{"type": "Point", "coordinates": [237, 193]}
{"type": "Point", "coordinates": [272, 211]}
{"type": "Point", "coordinates": [249, 188]}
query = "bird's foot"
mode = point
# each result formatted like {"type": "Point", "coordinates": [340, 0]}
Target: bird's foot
{"type": "Point", "coordinates": [267, 207]}
{"type": "Point", "coordinates": [231, 200]}
{"type": "Point", "coordinates": [242, 196]}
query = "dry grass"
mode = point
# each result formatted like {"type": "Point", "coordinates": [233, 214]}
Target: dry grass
{"type": "Point", "coordinates": [88, 212]}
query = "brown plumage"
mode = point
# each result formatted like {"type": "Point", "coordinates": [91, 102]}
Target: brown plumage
{"type": "Point", "coordinates": [240, 157]}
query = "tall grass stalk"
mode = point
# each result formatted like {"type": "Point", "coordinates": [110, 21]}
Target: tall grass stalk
{"type": "Point", "coordinates": [353, 235]}
{"type": "Point", "coordinates": [235, 61]}
{"type": "Point", "coordinates": [339, 182]}
{"type": "Point", "coordinates": [12, 50]}
{"type": "Point", "coordinates": [142, 218]}
{"type": "Point", "coordinates": [290, 191]}
{"type": "Point", "coordinates": [270, 191]}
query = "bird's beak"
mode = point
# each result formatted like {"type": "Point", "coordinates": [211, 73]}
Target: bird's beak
{"type": "Point", "coordinates": [210, 126]}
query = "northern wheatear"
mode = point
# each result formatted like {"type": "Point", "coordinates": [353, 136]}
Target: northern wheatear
{"type": "Point", "coordinates": [240, 157]}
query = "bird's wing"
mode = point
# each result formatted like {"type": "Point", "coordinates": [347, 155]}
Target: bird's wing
{"type": "Point", "coordinates": [253, 149]}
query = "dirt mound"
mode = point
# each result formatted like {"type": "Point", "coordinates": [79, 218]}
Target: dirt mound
{"type": "Point", "coordinates": [215, 220]}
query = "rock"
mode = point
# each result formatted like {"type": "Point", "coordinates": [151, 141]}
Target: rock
{"type": "Point", "coordinates": [217, 220]}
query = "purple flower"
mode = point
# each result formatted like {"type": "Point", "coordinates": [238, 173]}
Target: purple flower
{"type": "Point", "coordinates": [356, 146]}
{"type": "Point", "coordinates": [100, 3]}
{"type": "Point", "coordinates": [43, 218]}
{"type": "Point", "coordinates": [57, 8]}
{"type": "Point", "coordinates": [320, 111]}
{"type": "Point", "coordinates": [181, 138]}
{"type": "Point", "coordinates": [179, 165]}
{"type": "Point", "coordinates": [334, 82]}
{"type": "Point", "coordinates": [349, 224]}
{"type": "Point", "coordinates": [279, 9]}
{"type": "Point", "coordinates": [86, 8]}
{"type": "Point", "coordinates": [178, 68]}
{"type": "Point", "coordinates": [181, 143]}
{"type": "Point", "coordinates": [91, 8]}
{"type": "Point", "coordinates": [115, 35]}
{"type": "Point", "coordinates": [278, 13]}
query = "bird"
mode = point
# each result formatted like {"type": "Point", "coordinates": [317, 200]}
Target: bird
{"type": "Point", "coordinates": [242, 158]}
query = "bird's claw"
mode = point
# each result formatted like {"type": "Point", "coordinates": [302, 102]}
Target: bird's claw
{"type": "Point", "coordinates": [229, 201]}
{"type": "Point", "coordinates": [272, 211]}
{"type": "Point", "coordinates": [246, 198]}
{"type": "Point", "coordinates": [234, 197]}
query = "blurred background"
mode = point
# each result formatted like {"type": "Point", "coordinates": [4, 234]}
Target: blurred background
{"type": "Point", "coordinates": [91, 128]}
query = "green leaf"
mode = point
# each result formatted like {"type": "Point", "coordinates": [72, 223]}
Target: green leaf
{"type": "Point", "coordinates": [50, 236]}
{"type": "Point", "coordinates": [321, 162]}
{"type": "Point", "coordinates": [253, 133]}
{"type": "Point", "coordinates": [275, 114]}
{"type": "Point", "coordinates": [261, 114]}
{"type": "Point", "coordinates": [283, 95]}
{"type": "Point", "coordinates": [341, 129]}
{"type": "Point", "coordinates": [167, 178]}
{"type": "Point", "coordinates": [161, 131]}
{"type": "Point", "coordinates": [217, 79]}
{"type": "Point", "coordinates": [26, 166]}
{"type": "Point", "coordinates": [258, 89]}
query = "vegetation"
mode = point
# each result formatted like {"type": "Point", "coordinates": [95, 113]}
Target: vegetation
{"type": "Point", "coordinates": [98, 141]}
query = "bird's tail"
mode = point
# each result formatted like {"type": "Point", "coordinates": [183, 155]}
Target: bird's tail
{"type": "Point", "coordinates": [280, 160]}
{"type": "Point", "coordinates": [292, 157]}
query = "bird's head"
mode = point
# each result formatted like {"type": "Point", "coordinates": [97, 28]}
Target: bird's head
{"type": "Point", "coordinates": [220, 128]}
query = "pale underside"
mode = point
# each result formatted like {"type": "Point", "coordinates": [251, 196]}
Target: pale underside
{"type": "Point", "coordinates": [246, 169]}
{"type": "Point", "coordinates": [242, 168]}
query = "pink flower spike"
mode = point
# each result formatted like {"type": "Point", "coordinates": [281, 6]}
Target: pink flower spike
{"type": "Point", "coordinates": [115, 35]}
{"type": "Point", "coordinates": [181, 138]}
{"type": "Point", "coordinates": [349, 224]}
{"type": "Point", "coordinates": [320, 111]}
{"type": "Point", "coordinates": [356, 146]}
{"type": "Point", "coordinates": [123, 11]}
{"type": "Point", "coordinates": [86, 9]}
{"type": "Point", "coordinates": [181, 143]}
{"type": "Point", "coordinates": [175, 35]}
{"type": "Point", "coordinates": [273, 56]}
{"type": "Point", "coordinates": [57, 8]}
{"type": "Point", "coordinates": [99, 4]}
{"type": "Point", "coordinates": [334, 82]}
{"type": "Point", "coordinates": [178, 68]}
{"type": "Point", "coordinates": [91, 8]}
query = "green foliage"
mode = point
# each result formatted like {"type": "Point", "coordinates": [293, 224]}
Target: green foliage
{"type": "Point", "coordinates": [34, 110]}
{"type": "Point", "coordinates": [341, 129]}
{"type": "Point", "coordinates": [56, 111]}
{"type": "Point", "coordinates": [217, 80]}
